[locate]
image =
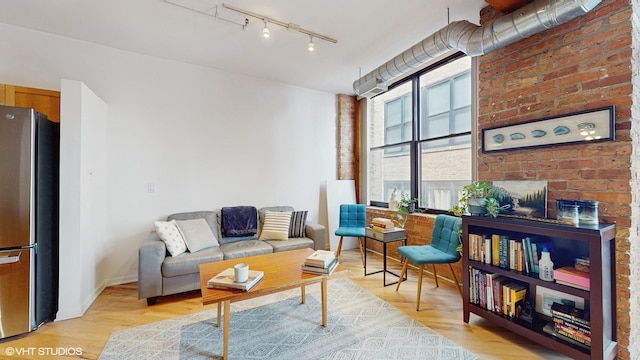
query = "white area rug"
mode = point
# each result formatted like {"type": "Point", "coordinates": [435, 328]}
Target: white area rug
{"type": "Point", "coordinates": [278, 326]}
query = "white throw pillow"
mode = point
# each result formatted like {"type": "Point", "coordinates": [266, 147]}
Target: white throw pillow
{"type": "Point", "coordinates": [197, 234]}
{"type": "Point", "coordinates": [169, 233]}
{"type": "Point", "coordinates": [276, 225]}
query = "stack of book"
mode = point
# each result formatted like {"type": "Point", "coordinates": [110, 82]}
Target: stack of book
{"type": "Point", "coordinates": [320, 262]}
{"type": "Point", "coordinates": [226, 280]}
{"type": "Point", "coordinates": [382, 224]}
{"type": "Point", "coordinates": [570, 325]}
{"type": "Point", "coordinates": [568, 275]}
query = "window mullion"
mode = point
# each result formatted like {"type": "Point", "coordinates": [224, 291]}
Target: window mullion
{"type": "Point", "coordinates": [415, 153]}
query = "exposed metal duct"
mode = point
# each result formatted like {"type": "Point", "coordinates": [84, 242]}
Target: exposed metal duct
{"type": "Point", "coordinates": [477, 40]}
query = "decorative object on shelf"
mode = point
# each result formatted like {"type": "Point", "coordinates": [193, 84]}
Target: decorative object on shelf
{"type": "Point", "coordinates": [393, 200]}
{"type": "Point", "coordinates": [527, 197]}
{"type": "Point", "coordinates": [546, 266]}
{"type": "Point", "coordinates": [577, 212]}
{"type": "Point", "coordinates": [478, 199]}
{"type": "Point", "coordinates": [584, 126]}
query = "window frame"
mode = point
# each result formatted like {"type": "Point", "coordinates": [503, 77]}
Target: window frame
{"type": "Point", "coordinates": [416, 140]}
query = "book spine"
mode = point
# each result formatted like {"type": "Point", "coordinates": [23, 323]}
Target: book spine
{"type": "Point", "coordinates": [561, 313]}
{"type": "Point", "coordinates": [573, 325]}
{"type": "Point", "coordinates": [534, 254]}
{"type": "Point", "coordinates": [504, 252]}
{"type": "Point", "coordinates": [495, 251]}
{"type": "Point", "coordinates": [573, 336]}
{"type": "Point", "coordinates": [497, 296]}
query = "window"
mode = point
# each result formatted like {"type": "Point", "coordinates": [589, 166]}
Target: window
{"type": "Point", "coordinates": [398, 124]}
{"type": "Point", "coordinates": [420, 136]}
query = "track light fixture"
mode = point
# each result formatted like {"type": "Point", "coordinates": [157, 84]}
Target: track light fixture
{"type": "Point", "coordinates": [288, 26]}
{"type": "Point", "coordinates": [311, 47]}
{"type": "Point", "coordinates": [245, 24]}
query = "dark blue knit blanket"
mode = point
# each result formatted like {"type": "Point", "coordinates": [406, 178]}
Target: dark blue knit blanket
{"type": "Point", "coordinates": [239, 221]}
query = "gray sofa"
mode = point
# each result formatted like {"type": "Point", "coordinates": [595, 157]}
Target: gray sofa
{"type": "Point", "coordinates": [161, 274]}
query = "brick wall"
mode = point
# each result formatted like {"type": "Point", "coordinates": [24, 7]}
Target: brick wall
{"type": "Point", "coordinates": [583, 64]}
{"type": "Point", "coordinates": [348, 133]}
{"type": "Point", "coordinates": [633, 341]}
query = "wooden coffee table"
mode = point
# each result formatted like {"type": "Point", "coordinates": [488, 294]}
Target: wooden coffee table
{"type": "Point", "coordinates": [281, 272]}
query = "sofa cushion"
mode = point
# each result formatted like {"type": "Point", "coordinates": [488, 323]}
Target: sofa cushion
{"type": "Point", "coordinates": [188, 263]}
{"type": "Point", "coordinates": [276, 225]}
{"type": "Point", "coordinates": [291, 244]}
{"type": "Point", "coordinates": [245, 248]}
{"type": "Point", "coordinates": [171, 236]}
{"type": "Point", "coordinates": [297, 225]}
{"type": "Point", "coordinates": [210, 216]}
{"type": "Point", "coordinates": [197, 234]}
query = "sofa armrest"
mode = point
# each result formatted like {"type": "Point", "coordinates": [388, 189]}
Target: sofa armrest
{"type": "Point", "coordinates": [151, 254]}
{"type": "Point", "coordinates": [316, 232]}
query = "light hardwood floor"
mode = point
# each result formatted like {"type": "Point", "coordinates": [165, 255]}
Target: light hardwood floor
{"type": "Point", "coordinates": [118, 308]}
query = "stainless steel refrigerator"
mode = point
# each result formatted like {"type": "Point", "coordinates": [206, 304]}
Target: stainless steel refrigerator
{"type": "Point", "coordinates": [29, 188]}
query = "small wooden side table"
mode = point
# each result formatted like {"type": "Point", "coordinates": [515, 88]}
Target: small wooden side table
{"type": "Point", "coordinates": [398, 234]}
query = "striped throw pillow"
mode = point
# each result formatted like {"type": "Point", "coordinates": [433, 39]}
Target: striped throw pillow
{"type": "Point", "coordinates": [296, 228]}
{"type": "Point", "coordinates": [276, 225]}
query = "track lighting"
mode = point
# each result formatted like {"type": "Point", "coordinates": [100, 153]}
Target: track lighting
{"type": "Point", "coordinates": [310, 46]}
{"type": "Point", "coordinates": [245, 24]}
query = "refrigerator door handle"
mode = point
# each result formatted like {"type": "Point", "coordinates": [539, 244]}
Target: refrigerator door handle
{"type": "Point", "coordinates": [9, 257]}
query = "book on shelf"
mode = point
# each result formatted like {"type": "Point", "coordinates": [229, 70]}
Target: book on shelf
{"type": "Point", "coordinates": [570, 314]}
{"type": "Point", "coordinates": [321, 270]}
{"type": "Point", "coordinates": [550, 329]}
{"type": "Point", "coordinates": [320, 258]}
{"type": "Point", "coordinates": [534, 257]}
{"type": "Point", "coordinates": [568, 275]}
{"type": "Point", "coordinates": [495, 250]}
{"type": "Point", "coordinates": [226, 280]}
{"type": "Point", "coordinates": [563, 323]}
{"type": "Point", "coordinates": [504, 252]}
{"type": "Point", "coordinates": [573, 285]}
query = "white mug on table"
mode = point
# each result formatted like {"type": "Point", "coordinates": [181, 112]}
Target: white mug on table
{"type": "Point", "coordinates": [241, 272]}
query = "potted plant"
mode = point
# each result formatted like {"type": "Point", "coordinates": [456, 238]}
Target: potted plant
{"type": "Point", "coordinates": [406, 206]}
{"type": "Point", "coordinates": [477, 199]}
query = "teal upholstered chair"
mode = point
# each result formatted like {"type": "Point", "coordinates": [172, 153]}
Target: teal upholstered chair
{"type": "Point", "coordinates": [442, 250]}
{"type": "Point", "coordinates": [353, 222]}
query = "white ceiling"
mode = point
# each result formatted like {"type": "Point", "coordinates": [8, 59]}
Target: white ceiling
{"type": "Point", "coordinates": [369, 32]}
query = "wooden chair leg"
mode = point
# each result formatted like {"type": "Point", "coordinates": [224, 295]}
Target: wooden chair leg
{"type": "Point", "coordinates": [404, 271]}
{"type": "Point", "coordinates": [362, 250]}
{"type": "Point", "coordinates": [455, 279]}
{"type": "Point", "coordinates": [435, 274]}
{"type": "Point", "coordinates": [420, 270]}
{"type": "Point", "coordinates": [339, 247]}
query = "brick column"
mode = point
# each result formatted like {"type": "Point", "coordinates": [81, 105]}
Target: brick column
{"type": "Point", "coordinates": [348, 139]}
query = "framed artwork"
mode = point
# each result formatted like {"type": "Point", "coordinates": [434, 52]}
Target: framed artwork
{"type": "Point", "coordinates": [525, 197]}
{"type": "Point", "coordinates": [585, 126]}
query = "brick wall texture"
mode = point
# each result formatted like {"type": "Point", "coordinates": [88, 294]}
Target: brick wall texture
{"type": "Point", "coordinates": [580, 65]}
{"type": "Point", "coordinates": [347, 135]}
{"type": "Point", "coordinates": [589, 62]}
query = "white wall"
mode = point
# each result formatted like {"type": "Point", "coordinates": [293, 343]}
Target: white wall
{"type": "Point", "coordinates": [83, 197]}
{"type": "Point", "coordinates": [203, 138]}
